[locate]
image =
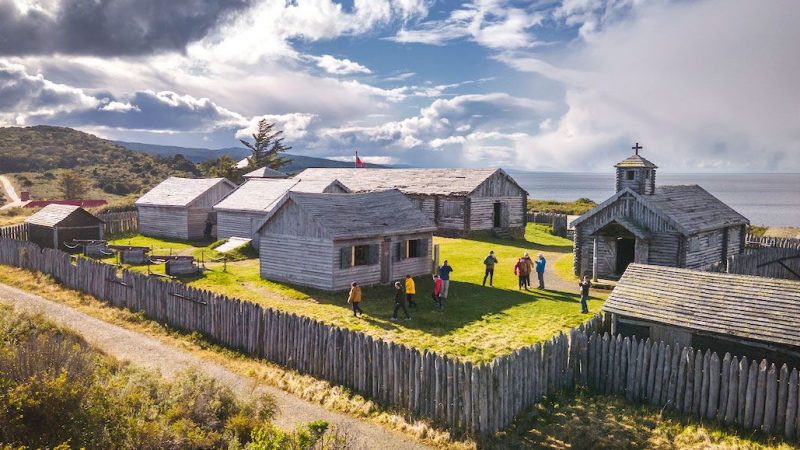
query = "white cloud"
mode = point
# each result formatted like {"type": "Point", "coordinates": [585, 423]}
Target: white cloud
{"type": "Point", "coordinates": [707, 85]}
{"type": "Point", "coordinates": [338, 66]}
{"type": "Point", "coordinates": [366, 159]}
{"type": "Point", "coordinates": [294, 125]}
{"type": "Point", "coordinates": [495, 24]}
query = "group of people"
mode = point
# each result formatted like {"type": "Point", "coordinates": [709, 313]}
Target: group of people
{"type": "Point", "coordinates": [406, 290]}
{"type": "Point", "coordinates": [404, 293]}
{"type": "Point", "coordinates": [523, 269]}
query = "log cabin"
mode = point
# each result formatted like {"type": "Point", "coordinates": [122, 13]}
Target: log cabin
{"type": "Point", "coordinates": [56, 224]}
{"type": "Point", "coordinates": [242, 213]}
{"type": "Point", "coordinates": [678, 226]}
{"type": "Point", "coordinates": [178, 208]}
{"type": "Point", "coordinates": [327, 241]}
{"type": "Point", "coordinates": [457, 201]}
{"type": "Point", "coordinates": [745, 315]}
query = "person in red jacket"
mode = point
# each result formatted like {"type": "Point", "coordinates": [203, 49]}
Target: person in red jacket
{"type": "Point", "coordinates": [522, 270]}
{"type": "Point", "coordinates": [437, 292]}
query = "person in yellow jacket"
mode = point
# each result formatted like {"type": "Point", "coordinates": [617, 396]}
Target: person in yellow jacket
{"type": "Point", "coordinates": [355, 299]}
{"type": "Point", "coordinates": [411, 289]}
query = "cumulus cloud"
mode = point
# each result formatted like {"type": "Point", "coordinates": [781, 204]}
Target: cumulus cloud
{"type": "Point", "coordinates": [495, 24]}
{"type": "Point", "coordinates": [112, 28]}
{"type": "Point", "coordinates": [338, 66]}
{"type": "Point", "coordinates": [700, 93]}
{"type": "Point", "coordinates": [294, 125]}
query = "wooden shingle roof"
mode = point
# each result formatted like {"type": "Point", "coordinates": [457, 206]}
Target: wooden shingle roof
{"type": "Point", "coordinates": [764, 309]}
{"type": "Point", "coordinates": [459, 182]}
{"type": "Point", "coordinates": [52, 215]}
{"type": "Point", "coordinates": [266, 172]}
{"type": "Point", "coordinates": [635, 161]}
{"type": "Point", "coordinates": [176, 191]}
{"type": "Point", "coordinates": [694, 208]}
{"type": "Point", "coordinates": [348, 216]}
{"type": "Point", "coordinates": [262, 194]}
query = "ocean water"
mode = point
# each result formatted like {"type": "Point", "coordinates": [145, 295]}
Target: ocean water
{"type": "Point", "coordinates": [765, 199]}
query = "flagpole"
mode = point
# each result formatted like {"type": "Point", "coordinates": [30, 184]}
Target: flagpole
{"type": "Point", "coordinates": [355, 163]}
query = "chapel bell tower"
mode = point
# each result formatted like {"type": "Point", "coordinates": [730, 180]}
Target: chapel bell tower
{"type": "Point", "coordinates": [636, 173]}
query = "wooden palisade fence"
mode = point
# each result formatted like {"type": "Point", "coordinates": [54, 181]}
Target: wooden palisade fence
{"type": "Point", "coordinates": [478, 399]}
{"type": "Point", "coordinates": [117, 223]}
{"type": "Point", "coordinates": [751, 395]}
{"type": "Point", "coordinates": [555, 220]}
{"type": "Point", "coordinates": [764, 241]}
{"type": "Point", "coordinates": [19, 232]}
{"type": "Point", "coordinates": [773, 262]}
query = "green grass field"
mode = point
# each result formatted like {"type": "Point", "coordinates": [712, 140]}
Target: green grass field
{"type": "Point", "coordinates": [478, 323]}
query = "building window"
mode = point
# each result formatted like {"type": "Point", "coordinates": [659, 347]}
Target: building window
{"type": "Point", "coordinates": [413, 248]}
{"type": "Point", "coordinates": [646, 174]}
{"type": "Point", "coordinates": [631, 174]}
{"type": "Point", "coordinates": [452, 209]}
{"type": "Point", "coordinates": [359, 255]}
{"type": "Point", "coordinates": [694, 244]}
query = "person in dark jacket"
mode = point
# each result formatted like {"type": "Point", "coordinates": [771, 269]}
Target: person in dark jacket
{"type": "Point", "coordinates": [207, 230]}
{"type": "Point", "coordinates": [399, 301]}
{"type": "Point", "coordinates": [585, 284]}
{"type": "Point", "coordinates": [444, 275]}
{"type": "Point", "coordinates": [489, 262]}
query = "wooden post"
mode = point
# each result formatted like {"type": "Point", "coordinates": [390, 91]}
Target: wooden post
{"type": "Point", "coordinates": [435, 259]}
{"type": "Point", "coordinates": [783, 397]}
{"type": "Point", "coordinates": [713, 387]}
{"type": "Point", "coordinates": [733, 386]}
{"type": "Point", "coordinates": [791, 407]}
{"type": "Point", "coordinates": [594, 259]}
{"type": "Point", "coordinates": [761, 394]}
{"type": "Point", "coordinates": [741, 391]}
{"type": "Point", "coordinates": [771, 400]}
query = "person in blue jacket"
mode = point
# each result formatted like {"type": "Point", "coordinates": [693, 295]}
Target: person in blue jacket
{"type": "Point", "coordinates": [540, 263]}
{"type": "Point", "coordinates": [444, 275]}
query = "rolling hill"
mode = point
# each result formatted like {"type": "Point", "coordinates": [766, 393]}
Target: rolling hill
{"type": "Point", "coordinates": [36, 156]}
{"type": "Point", "coordinates": [297, 162]}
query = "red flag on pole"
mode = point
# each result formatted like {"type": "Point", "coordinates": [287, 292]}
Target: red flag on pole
{"type": "Point", "coordinates": [359, 163]}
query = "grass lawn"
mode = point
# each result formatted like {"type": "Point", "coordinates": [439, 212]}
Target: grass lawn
{"type": "Point", "coordinates": [478, 324]}
{"type": "Point", "coordinates": [582, 421]}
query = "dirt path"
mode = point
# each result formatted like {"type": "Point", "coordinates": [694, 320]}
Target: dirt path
{"type": "Point", "coordinates": [11, 194]}
{"type": "Point", "coordinates": [148, 352]}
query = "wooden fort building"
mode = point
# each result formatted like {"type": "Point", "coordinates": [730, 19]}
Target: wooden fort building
{"type": "Point", "coordinates": [457, 201]}
{"type": "Point", "coordinates": [744, 315]}
{"type": "Point", "coordinates": [243, 212]}
{"type": "Point", "coordinates": [678, 226]}
{"type": "Point", "coordinates": [54, 225]}
{"type": "Point", "coordinates": [178, 208]}
{"type": "Point", "coordinates": [328, 241]}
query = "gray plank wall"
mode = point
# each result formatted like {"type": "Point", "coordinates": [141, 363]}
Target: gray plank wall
{"type": "Point", "coordinates": [162, 221]}
{"type": "Point", "coordinates": [451, 213]}
{"type": "Point", "coordinates": [412, 266]}
{"type": "Point", "coordinates": [196, 222]}
{"type": "Point", "coordinates": [482, 212]}
{"type": "Point", "coordinates": [364, 275]}
{"type": "Point", "coordinates": [478, 399]}
{"type": "Point", "coordinates": [303, 261]}
{"type": "Point", "coordinates": [239, 223]}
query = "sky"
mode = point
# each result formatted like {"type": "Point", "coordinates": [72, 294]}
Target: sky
{"type": "Point", "coordinates": [571, 85]}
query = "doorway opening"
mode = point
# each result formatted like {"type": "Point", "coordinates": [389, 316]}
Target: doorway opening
{"type": "Point", "coordinates": [498, 215]}
{"type": "Point", "coordinates": [626, 253]}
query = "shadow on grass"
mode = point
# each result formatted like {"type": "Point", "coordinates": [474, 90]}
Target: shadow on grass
{"type": "Point", "coordinates": [466, 304]}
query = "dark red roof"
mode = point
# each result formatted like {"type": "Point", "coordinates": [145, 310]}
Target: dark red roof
{"type": "Point", "coordinates": [82, 203]}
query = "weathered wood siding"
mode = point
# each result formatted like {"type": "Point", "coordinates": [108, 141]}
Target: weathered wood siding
{"type": "Point", "coordinates": [703, 249]}
{"type": "Point", "coordinates": [482, 212]}
{"type": "Point", "coordinates": [298, 260]}
{"type": "Point", "coordinates": [196, 222]}
{"type": "Point", "coordinates": [426, 204]}
{"type": "Point", "coordinates": [450, 213]}
{"type": "Point", "coordinates": [420, 265]}
{"type": "Point", "coordinates": [663, 247]}
{"type": "Point", "coordinates": [162, 221]}
{"type": "Point", "coordinates": [240, 224]}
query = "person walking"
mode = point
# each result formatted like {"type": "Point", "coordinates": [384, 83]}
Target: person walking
{"type": "Point", "coordinates": [444, 275]}
{"type": "Point", "coordinates": [411, 289]}
{"type": "Point", "coordinates": [437, 292]}
{"type": "Point", "coordinates": [355, 299]}
{"type": "Point", "coordinates": [489, 262]}
{"type": "Point", "coordinates": [521, 270]}
{"type": "Point", "coordinates": [540, 263]}
{"type": "Point", "coordinates": [207, 229]}
{"type": "Point", "coordinates": [399, 301]}
{"type": "Point", "coordinates": [529, 263]}
{"type": "Point", "coordinates": [585, 284]}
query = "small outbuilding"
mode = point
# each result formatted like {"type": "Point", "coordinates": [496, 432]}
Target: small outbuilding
{"type": "Point", "coordinates": [179, 208]}
{"type": "Point", "coordinates": [243, 212]}
{"type": "Point", "coordinates": [457, 201]}
{"type": "Point", "coordinates": [265, 172]}
{"type": "Point", "coordinates": [55, 224]}
{"type": "Point", "coordinates": [678, 226]}
{"type": "Point", "coordinates": [328, 241]}
{"type": "Point", "coordinates": [745, 315]}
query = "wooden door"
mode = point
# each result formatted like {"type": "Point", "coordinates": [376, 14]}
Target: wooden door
{"type": "Point", "coordinates": [386, 260]}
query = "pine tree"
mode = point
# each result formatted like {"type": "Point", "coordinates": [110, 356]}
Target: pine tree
{"type": "Point", "coordinates": [72, 186]}
{"type": "Point", "coordinates": [266, 147]}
